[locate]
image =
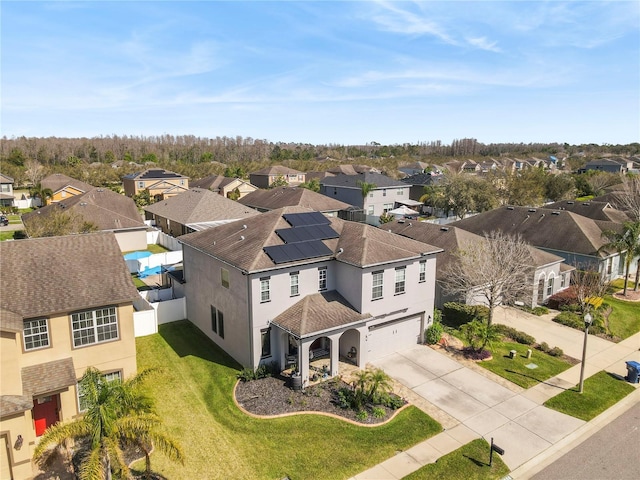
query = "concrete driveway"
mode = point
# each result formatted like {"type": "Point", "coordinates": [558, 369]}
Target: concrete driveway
{"type": "Point", "coordinates": [516, 423]}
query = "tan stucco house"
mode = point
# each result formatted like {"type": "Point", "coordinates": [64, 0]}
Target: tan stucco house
{"type": "Point", "coordinates": [160, 183]}
{"type": "Point", "coordinates": [64, 187]}
{"type": "Point", "coordinates": [66, 304]}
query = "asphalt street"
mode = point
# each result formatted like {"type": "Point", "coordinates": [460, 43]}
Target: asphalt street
{"type": "Point", "coordinates": [613, 453]}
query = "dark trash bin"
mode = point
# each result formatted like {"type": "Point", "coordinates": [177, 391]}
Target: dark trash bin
{"type": "Point", "coordinates": [296, 382]}
{"type": "Point", "coordinates": [633, 371]}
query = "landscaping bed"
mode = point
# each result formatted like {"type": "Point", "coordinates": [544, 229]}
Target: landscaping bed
{"type": "Point", "coordinates": [272, 396]}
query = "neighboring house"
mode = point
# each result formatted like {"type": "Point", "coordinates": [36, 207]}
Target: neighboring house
{"type": "Point", "coordinates": [265, 200]}
{"type": "Point", "coordinates": [387, 194]}
{"type": "Point", "coordinates": [612, 165]}
{"type": "Point", "coordinates": [225, 186]}
{"type": "Point", "coordinates": [591, 209]}
{"type": "Point", "coordinates": [64, 187]}
{"type": "Point", "coordinates": [67, 304]}
{"type": "Point", "coordinates": [418, 181]}
{"type": "Point", "coordinates": [107, 210]}
{"type": "Point", "coordinates": [352, 169]}
{"type": "Point", "coordinates": [575, 238]}
{"type": "Point", "coordinates": [551, 274]}
{"type": "Point", "coordinates": [291, 285]}
{"type": "Point", "coordinates": [265, 177]}
{"type": "Point", "coordinates": [160, 183]}
{"type": "Point", "coordinates": [414, 168]}
{"type": "Point", "coordinates": [194, 210]}
{"type": "Point", "coordinates": [6, 191]}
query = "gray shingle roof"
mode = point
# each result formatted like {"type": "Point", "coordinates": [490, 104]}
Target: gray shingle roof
{"type": "Point", "coordinates": [154, 173]}
{"type": "Point", "coordinates": [48, 377]}
{"type": "Point", "coordinates": [542, 228]}
{"type": "Point", "coordinates": [381, 181]}
{"type": "Point", "coordinates": [200, 205]}
{"type": "Point", "coordinates": [58, 181]}
{"type": "Point", "coordinates": [12, 404]}
{"type": "Point", "coordinates": [317, 313]}
{"type": "Point", "coordinates": [10, 321]}
{"type": "Point", "coordinates": [212, 182]}
{"type": "Point", "coordinates": [106, 209]}
{"type": "Point", "coordinates": [54, 275]}
{"type": "Point", "coordinates": [241, 243]}
{"type": "Point", "coordinates": [277, 170]}
{"type": "Point", "coordinates": [290, 196]}
{"type": "Point", "coordinates": [591, 209]}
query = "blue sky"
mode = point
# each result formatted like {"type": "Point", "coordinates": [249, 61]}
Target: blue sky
{"type": "Point", "coordinates": [324, 72]}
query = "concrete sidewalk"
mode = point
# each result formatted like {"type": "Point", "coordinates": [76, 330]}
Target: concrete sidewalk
{"type": "Point", "coordinates": [472, 403]}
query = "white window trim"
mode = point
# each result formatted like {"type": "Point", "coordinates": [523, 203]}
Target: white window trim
{"type": "Point", "coordinates": [400, 285]}
{"type": "Point", "coordinates": [422, 274]}
{"type": "Point", "coordinates": [294, 284]}
{"type": "Point", "coordinates": [322, 278]}
{"type": "Point", "coordinates": [94, 327]}
{"type": "Point", "coordinates": [265, 298]}
{"type": "Point", "coordinates": [105, 376]}
{"type": "Point", "coordinates": [36, 334]}
{"type": "Point", "coordinates": [375, 287]}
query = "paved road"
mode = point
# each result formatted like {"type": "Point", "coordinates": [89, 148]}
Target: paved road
{"type": "Point", "coordinates": [613, 453]}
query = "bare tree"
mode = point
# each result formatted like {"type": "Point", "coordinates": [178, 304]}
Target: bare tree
{"type": "Point", "coordinates": [601, 180]}
{"type": "Point", "coordinates": [588, 286]}
{"type": "Point", "coordinates": [34, 171]}
{"type": "Point", "coordinates": [498, 269]}
{"type": "Point", "coordinates": [628, 198]}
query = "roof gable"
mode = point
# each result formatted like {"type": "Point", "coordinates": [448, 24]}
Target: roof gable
{"type": "Point", "coordinates": [58, 181]}
{"type": "Point", "coordinates": [291, 196]}
{"type": "Point", "coordinates": [352, 181]}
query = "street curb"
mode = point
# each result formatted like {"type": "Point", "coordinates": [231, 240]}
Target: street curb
{"type": "Point", "coordinates": [557, 450]}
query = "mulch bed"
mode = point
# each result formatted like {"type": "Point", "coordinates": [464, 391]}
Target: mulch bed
{"type": "Point", "coordinates": [272, 396]}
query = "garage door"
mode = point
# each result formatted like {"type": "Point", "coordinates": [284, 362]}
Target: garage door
{"type": "Point", "coordinates": [387, 338]}
{"type": "Point", "coordinates": [5, 469]}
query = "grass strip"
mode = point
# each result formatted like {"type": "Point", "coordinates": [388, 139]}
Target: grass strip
{"type": "Point", "coordinates": [600, 392]}
{"type": "Point", "coordinates": [194, 396]}
{"type": "Point", "coordinates": [469, 462]}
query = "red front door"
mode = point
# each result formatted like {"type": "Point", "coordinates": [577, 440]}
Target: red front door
{"type": "Point", "coordinates": [45, 413]}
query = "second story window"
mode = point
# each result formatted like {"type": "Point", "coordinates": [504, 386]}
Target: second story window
{"type": "Point", "coordinates": [294, 283]}
{"type": "Point", "coordinates": [399, 191]}
{"type": "Point", "coordinates": [94, 326]}
{"type": "Point", "coordinates": [224, 277]}
{"type": "Point", "coordinates": [422, 271]}
{"type": "Point", "coordinates": [265, 290]}
{"type": "Point", "coordinates": [35, 334]}
{"type": "Point", "coordinates": [550, 287]}
{"type": "Point", "coordinates": [400, 280]}
{"type": "Point", "coordinates": [376, 288]}
{"type": "Point", "coordinates": [322, 278]}
{"type": "Point", "coordinates": [140, 184]}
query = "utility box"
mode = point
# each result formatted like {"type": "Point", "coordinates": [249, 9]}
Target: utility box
{"type": "Point", "coordinates": [633, 371]}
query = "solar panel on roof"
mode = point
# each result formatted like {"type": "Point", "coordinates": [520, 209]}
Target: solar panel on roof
{"type": "Point", "coordinates": [307, 233]}
{"type": "Point", "coordinates": [292, 252]}
{"type": "Point", "coordinates": [306, 219]}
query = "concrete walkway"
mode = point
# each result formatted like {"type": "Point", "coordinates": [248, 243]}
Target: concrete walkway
{"type": "Point", "coordinates": [471, 402]}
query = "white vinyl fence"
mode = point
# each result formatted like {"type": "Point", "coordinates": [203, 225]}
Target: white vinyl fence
{"type": "Point", "coordinates": [155, 307]}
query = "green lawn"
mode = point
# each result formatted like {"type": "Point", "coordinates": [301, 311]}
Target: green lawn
{"type": "Point", "coordinates": [600, 391]}
{"type": "Point", "coordinates": [6, 236]}
{"type": "Point", "coordinates": [469, 462]}
{"type": "Point", "coordinates": [515, 370]}
{"type": "Point", "coordinates": [624, 321]}
{"type": "Point", "coordinates": [194, 397]}
{"type": "Point", "coordinates": [151, 247]}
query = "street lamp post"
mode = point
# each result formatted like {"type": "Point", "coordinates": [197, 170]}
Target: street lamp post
{"type": "Point", "coordinates": [587, 323]}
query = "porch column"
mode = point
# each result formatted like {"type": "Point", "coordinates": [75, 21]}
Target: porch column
{"type": "Point", "coordinates": [303, 359]}
{"type": "Point", "coordinates": [334, 354]}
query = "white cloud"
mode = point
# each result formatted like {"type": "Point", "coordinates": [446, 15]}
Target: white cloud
{"type": "Point", "coordinates": [483, 44]}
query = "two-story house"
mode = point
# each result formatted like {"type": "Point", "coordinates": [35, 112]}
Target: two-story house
{"type": "Point", "coordinates": [267, 176]}
{"type": "Point", "coordinates": [66, 304]}
{"type": "Point", "coordinates": [234, 188]}
{"type": "Point", "coordinates": [384, 195]}
{"type": "Point", "coordinates": [63, 187]}
{"type": "Point", "coordinates": [265, 200]}
{"type": "Point", "coordinates": [160, 183]}
{"type": "Point", "coordinates": [6, 191]}
{"type": "Point", "coordinates": [290, 285]}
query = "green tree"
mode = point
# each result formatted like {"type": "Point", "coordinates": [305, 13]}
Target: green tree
{"type": "Point", "coordinates": [143, 198]}
{"type": "Point", "coordinates": [117, 414]}
{"type": "Point", "coordinates": [464, 194]}
{"type": "Point", "coordinates": [480, 334]}
{"type": "Point", "coordinates": [527, 188]}
{"type": "Point", "coordinates": [558, 187]}
{"type": "Point", "coordinates": [279, 181]}
{"type": "Point", "coordinates": [625, 242]}
{"type": "Point", "coordinates": [38, 191]}
{"type": "Point", "coordinates": [366, 187]}
{"type": "Point", "coordinates": [386, 218]}
{"type": "Point", "coordinates": [234, 194]}
{"type": "Point", "coordinates": [313, 184]}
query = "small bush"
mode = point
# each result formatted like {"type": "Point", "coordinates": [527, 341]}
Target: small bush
{"type": "Point", "coordinates": [456, 314]}
{"type": "Point", "coordinates": [563, 299]}
{"type": "Point", "coordinates": [539, 311]}
{"type": "Point", "coordinates": [472, 354]}
{"type": "Point", "coordinates": [343, 398]}
{"type": "Point", "coordinates": [362, 415]}
{"type": "Point", "coordinates": [433, 333]}
{"type": "Point", "coordinates": [393, 402]}
{"type": "Point", "coordinates": [246, 374]}
{"type": "Point", "coordinates": [379, 412]}
{"type": "Point", "coordinates": [556, 352]}
{"type": "Point", "coordinates": [516, 335]}
{"type": "Point", "coordinates": [544, 347]}
{"type": "Point", "coordinates": [569, 319]}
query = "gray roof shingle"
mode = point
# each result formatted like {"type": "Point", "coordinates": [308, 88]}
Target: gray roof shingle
{"type": "Point", "coordinates": [58, 181]}
{"type": "Point", "coordinates": [351, 181]}
{"type": "Point", "coordinates": [290, 196]}
{"type": "Point", "coordinates": [48, 377]}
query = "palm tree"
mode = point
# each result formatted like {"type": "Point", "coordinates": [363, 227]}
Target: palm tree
{"type": "Point", "coordinates": [366, 187]}
{"type": "Point", "coordinates": [117, 414]}
{"type": "Point", "coordinates": [627, 241]}
{"type": "Point", "coordinates": [42, 193]}
{"type": "Point", "coordinates": [379, 382]}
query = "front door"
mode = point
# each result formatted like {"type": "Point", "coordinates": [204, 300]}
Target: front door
{"type": "Point", "coordinates": [45, 412]}
{"type": "Point", "coordinates": [5, 464]}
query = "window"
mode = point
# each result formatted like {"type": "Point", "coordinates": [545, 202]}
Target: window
{"type": "Point", "coordinates": [550, 286]}
{"type": "Point", "coordinates": [399, 191]}
{"type": "Point", "coordinates": [563, 279]}
{"type": "Point", "coordinates": [265, 338]}
{"type": "Point", "coordinates": [294, 282]}
{"type": "Point", "coordinates": [376, 292]}
{"type": "Point", "coordinates": [181, 182]}
{"type": "Point", "coordinates": [108, 377]}
{"type": "Point", "coordinates": [94, 326]}
{"type": "Point", "coordinates": [322, 278]}
{"type": "Point", "coordinates": [400, 280]}
{"type": "Point", "coordinates": [423, 271]}
{"type": "Point", "coordinates": [217, 321]}
{"type": "Point", "coordinates": [224, 277]}
{"type": "Point", "coordinates": [387, 207]}
{"type": "Point", "coordinates": [35, 334]}
{"type": "Point", "coordinates": [370, 210]}
{"type": "Point", "coordinates": [371, 194]}
{"type": "Point", "coordinates": [265, 293]}
{"type": "Point", "coordinates": [140, 184]}
{"type": "Point", "coordinates": [384, 192]}
{"type": "Point", "coordinates": [335, 191]}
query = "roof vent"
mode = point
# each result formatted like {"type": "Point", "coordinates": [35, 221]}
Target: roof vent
{"type": "Point", "coordinates": [244, 227]}
{"type": "Point", "coordinates": [444, 229]}
{"type": "Point", "coordinates": [570, 203]}
{"type": "Point", "coordinates": [532, 210]}
{"type": "Point", "coordinates": [555, 213]}
{"type": "Point", "coordinates": [241, 237]}
{"type": "Point", "coordinates": [509, 208]}
{"type": "Point", "coordinates": [586, 204]}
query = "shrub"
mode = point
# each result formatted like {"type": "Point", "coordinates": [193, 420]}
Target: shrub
{"type": "Point", "coordinates": [540, 310]}
{"type": "Point", "coordinates": [562, 299]}
{"type": "Point", "coordinates": [379, 412]}
{"type": "Point", "coordinates": [457, 314]}
{"type": "Point", "coordinates": [362, 415]}
{"type": "Point", "coordinates": [544, 347]}
{"type": "Point", "coordinates": [393, 402]}
{"type": "Point", "coordinates": [433, 333]}
{"type": "Point", "coordinates": [472, 354]}
{"type": "Point", "coordinates": [343, 398]}
{"type": "Point", "coordinates": [556, 352]}
{"type": "Point", "coordinates": [570, 319]}
{"type": "Point", "coordinates": [516, 335]}
{"type": "Point", "coordinates": [246, 374]}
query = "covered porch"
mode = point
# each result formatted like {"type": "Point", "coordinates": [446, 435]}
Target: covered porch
{"type": "Point", "coordinates": [320, 337]}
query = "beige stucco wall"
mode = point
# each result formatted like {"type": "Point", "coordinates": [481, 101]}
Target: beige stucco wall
{"type": "Point", "coordinates": [130, 240]}
{"type": "Point", "coordinates": [10, 380]}
{"type": "Point", "coordinates": [20, 459]}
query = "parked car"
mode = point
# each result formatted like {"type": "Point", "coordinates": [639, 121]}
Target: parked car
{"type": "Point", "coordinates": [4, 221]}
